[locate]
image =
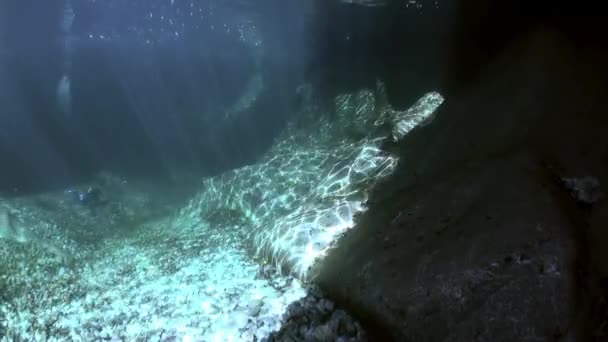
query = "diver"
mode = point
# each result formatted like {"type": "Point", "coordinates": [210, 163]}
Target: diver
{"type": "Point", "coordinates": [92, 197]}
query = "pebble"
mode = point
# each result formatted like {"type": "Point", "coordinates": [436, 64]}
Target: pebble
{"type": "Point", "coordinates": [255, 307]}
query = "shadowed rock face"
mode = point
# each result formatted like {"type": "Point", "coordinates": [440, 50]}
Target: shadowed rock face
{"type": "Point", "coordinates": [475, 237]}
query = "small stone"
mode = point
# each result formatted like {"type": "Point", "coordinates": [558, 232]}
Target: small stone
{"type": "Point", "coordinates": [524, 259]}
{"type": "Point", "coordinates": [255, 307]}
{"type": "Point", "coordinates": [323, 333]}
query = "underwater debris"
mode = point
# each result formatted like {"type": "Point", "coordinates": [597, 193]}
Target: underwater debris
{"type": "Point", "coordinates": [585, 190]}
{"type": "Point", "coordinates": [247, 99]}
{"type": "Point", "coordinates": [92, 196]}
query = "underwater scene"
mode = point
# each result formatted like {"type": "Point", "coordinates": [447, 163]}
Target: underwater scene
{"type": "Point", "coordinates": [117, 258]}
{"type": "Point", "coordinates": [291, 170]}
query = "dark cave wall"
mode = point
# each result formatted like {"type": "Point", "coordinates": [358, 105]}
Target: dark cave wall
{"type": "Point", "coordinates": [481, 30]}
{"type": "Point", "coordinates": [475, 231]}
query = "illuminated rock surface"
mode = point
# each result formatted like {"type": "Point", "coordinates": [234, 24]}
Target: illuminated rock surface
{"type": "Point", "coordinates": [295, 202]}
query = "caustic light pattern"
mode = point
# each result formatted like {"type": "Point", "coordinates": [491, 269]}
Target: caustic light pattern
{"type": "Point", "coordinates": [297, 200]}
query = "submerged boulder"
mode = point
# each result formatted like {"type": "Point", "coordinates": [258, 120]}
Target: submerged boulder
{"type": "Point", "coordinates": [474, 237]}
